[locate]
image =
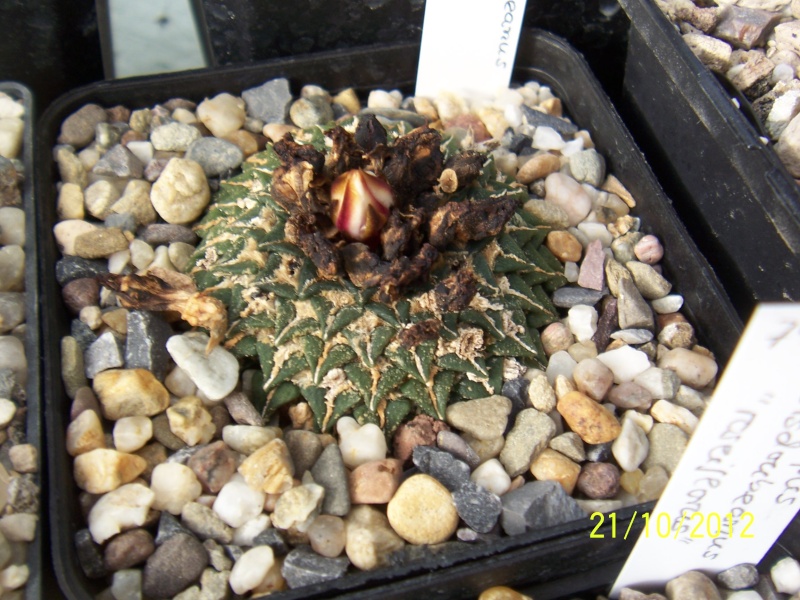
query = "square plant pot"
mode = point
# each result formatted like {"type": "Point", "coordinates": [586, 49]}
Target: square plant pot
{"type": "Point", "coordinates": [562, 554]}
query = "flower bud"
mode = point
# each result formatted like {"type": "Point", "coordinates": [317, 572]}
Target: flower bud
{"type": "Point", "coordinates": [360, 203]}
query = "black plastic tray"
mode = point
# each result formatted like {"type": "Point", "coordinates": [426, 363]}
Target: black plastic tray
{"type": "Point", "coordinates": [559, 561]}
{"type": "Point", "coordinates": [18, 91]}
{"type": "Point", "coordinates": [737, 199]}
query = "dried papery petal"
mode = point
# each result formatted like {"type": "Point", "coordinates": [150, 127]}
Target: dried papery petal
{"type": "Point", "coordinates": [360, 204]}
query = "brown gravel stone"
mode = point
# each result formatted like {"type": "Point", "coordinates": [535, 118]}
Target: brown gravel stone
{"type": "Point", "coordinates": [419, 431]}
{"type": "Point", "coordinates": [100, 243]}
{"type": "Point", "coordinates": [177, 563]}
{"type": "Point", "coordinates": [541, 165]}
{"type": "Point", "coordinates": [269, 469]}
{"type": "Point", "coordinates": [128, 549]}
{"type": "Point", "coordinates": [599, 480]}
{"type": "Point", "coordinates": [554, 466]}
{"type": "Point", "coordinates": [242, 410]}
{"type": "Point", "coordinates": [422, 511]}
{"type": "Point", "coordinates": [80, 293]}
{"type": "Point", "coordinates": [78, 129]}
{"type": "Point", "coordinates": [154, 454]}
{"type": "Point", "coordinates": [564, 246]}
{"type": "Point", "coordinates": [213, 465]}
{"type": "Point", "coordinates": [84, 400]}
{"type": "Point", "coordinates": [588, 419]}
{"type": "Point", "coordinates": [556, 337]}
{"type": "Point", "coordinates": [375, 482]}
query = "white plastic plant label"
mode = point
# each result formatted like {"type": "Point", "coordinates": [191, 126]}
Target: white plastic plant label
{"type": "Point", "coordinates": [468, 46]}
{"type": "Point", "coordinates": [737, 485]}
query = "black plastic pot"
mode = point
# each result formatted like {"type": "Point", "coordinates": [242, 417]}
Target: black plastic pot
{"type": "Point", "coordinates": [734, 195]}
{"type": "Point", "coordinates": [554, 562]}
{"type": "Point", "coordinates": [19, 92]}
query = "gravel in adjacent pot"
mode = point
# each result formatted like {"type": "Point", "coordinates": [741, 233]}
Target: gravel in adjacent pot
{"type": "Point", "coordinates": [753, 43]}
{"type": "Point", "coordinates": [189, 488]}
{"type": "Point", "coordinates": [19, 460]}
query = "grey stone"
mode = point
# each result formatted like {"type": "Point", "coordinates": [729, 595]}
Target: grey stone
{"type": "Point", "coordinates": [394, 115]}
{"type": "Point", "coordinates": [79, 128]}
{"type": "Point", "coordinates": [588, 166]}
{"type": "Point", "coordinates": [217, 557]}
{"type": "Point", "coordinates": [205, 524]}
{"type": "Point", "coordinates": [9, 188]}
{"type": "Point", "coordinates": [106, 352]}
{"type": "Point", "coordinates": [269, 101]}
{"type": "Point", "coordinates": [537, 118]}
{"type": "Point", "coordinates": [174, 137]}
{"type": "Point", "coordinates": [477, 507]}
{"type": "Point", "coordinates": [623, 246]}
{"type": "Point", "coordinates": [766, 589]}
{"type": "Point", "coordinates": [303, 566]}
{"type": "Point", "coordinates": [90, 555]}
{"type": "Point", "coordinates": [633, 336]}
{"type": "Point", "coordinates": [739, 577]}
{"type": "Point", "coordinates": [516, 390]}
{"type": "Point", "coordinates": [72, 372]}
{"type": "Point", "coordinates": [168, 526]}
{"type": "Point", "coordinates": [243, 412]}
{"type": "Point", "coordinates": [442, 466]}
{"type": "Point", "coordinates": [158, 234]}
{"type": "Point", "coordinates": [119, 162]}
{"type": "Point", "coordinates": [12, 310]}
{"type": "Point", "coordinates": [69, 268]}
{"type": "Point", "coordinates": [305, 448]}
{"type": "Point", "coordinates": [570, 445]}
{"type": "Point", "coordinates": [83, 333]}
{"type": "Point", "coordinates": [598, 452]}
{"type": "Point", "coordinates": [667, 443]}
{"type": "Point", "coordinates": [307, 112]}
{"type": "Point", "coordinates": [567, 297]}
{"type": "Point", "coordinates": [633, 311]}
{"type": "Point", "coordinates": [146, 346]}
{"type": "Point", "coordinates": [650, 282]}
{"type": "Point", "coordinates": [531, 432]}
{"type": "Point", "coordinates": [456, 445]}
{"type": "Point", "coordinates": [163, 434]}
{"type": "Point", "coordinates": [123, 221]}
{"type": "Point", "coordinates": [216, 156]}
{"type": "Point", "coordinates": [537, 505]}
{"type": "Point", "coordinates": [174, 566]}
{"type": "Point", "coordinates": [745, 27]}
{"type": "Point", "coordinates": [274, 539]}
{"type": "Point", "coordinates": [7, 382]}
{"type": "Point", "coordinates": [329, 472]}
{"type": "Point", "coordinates": [233, 551]}
{"type": "Point", "coordinates": [108, 134]}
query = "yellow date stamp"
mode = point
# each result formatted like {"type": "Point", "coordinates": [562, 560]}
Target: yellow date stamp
{"type": "Point", "coordinates": [663, 525]}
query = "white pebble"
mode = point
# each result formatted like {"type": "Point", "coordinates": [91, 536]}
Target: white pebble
{"type": "Point", "coordinates": [561, 363]}
{"type": "Point", "coordinates": [251, 569]}
{"type": "Point", "coordinates": [492, 476]}
{"type": "Point", "coordinates": [596, 231]}
{"type": "Point", "coordinates": [119, 261]}
{"type": "Point", "coordinates": [125, 507]}
{"type": "Point", "coordinates": [179, 383]}
{"type": "Point", "coordinates": [782, 72]}
{"type": "Point", "coordinates": [7, 411]}
{"type": "Point", "coordinates": [572, 147]}
{"type": "Point", "coordinates": [174, 486]}
{"type": "Point", "coordinates": [662, 384]}
{"type": "Point", "coordinates": [571, 271]}
{"type": "Point", "coordinates": [215, 374]}
{"type": "Point", "coordinates": [665, 411]}
{"type": "Point", "coordinates": [11, 131]}
{"type": "Point", "coordinates": [582, 322]}
{"type": "Point", "coordinates": [360, 443]}
{"type": "Point", "coordinates": [382, 99]}
{"type": "Point", "coordinates": [744, 595]}
{"type": "Point", "coordinates": [247, 532]}
{"type": "Point", "coordinates": [142, 254]}
{"type": "Point", "coordinates": [625, 362]}
{"type": "Point", "coordinates": [10, 108]}
{"type": "Point", "coordinates": [19, 527]}
{"type": "Point", "coordinates": [14, 577]}
{"type": "Point", "coordinates": [143, 150]}
{"type": "Point", "coordinates": [66, 231]}
{"type": "Point", "coordinates": [161, 259]}
{"type": "Point", "coordinates": [237, 503]}
{"type": "Point", "coordinates": [223, 114]}
{"type": "Point", "coordinates": [785, 575]}
{"type": "Point", "coordinates": [670, 303]}
{"type": "Point", "coordinates": [631, 446]}
{"type": "Point", "coordinates": [547, 138]}
{"type": "Point", "coordinates": [643, 420]}
{"type": "Point", "coordinates": [566, 193]}
{"type": "Point", "coordinates": [12, 226]}
{"type": "Point", "coordinates": [246, 439]}
{"type": "Point", "coordinates": [132, 433]}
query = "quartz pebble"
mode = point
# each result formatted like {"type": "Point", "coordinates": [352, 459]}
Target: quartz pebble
{"type": "Point", "coordinates": [269, 468]}
{"type": "Point", "coordinates": [370, 540]}
{"type": "Point", "coordinates": [360, 443]}
{"type": "Point", "coordinates": [215, 374]}
{"type": "Point", "coordinates": [785, 575]}
{"type": "Point", "coordinates": [422, 511]}
{"type": "Point", "coordinates": [126, 506]}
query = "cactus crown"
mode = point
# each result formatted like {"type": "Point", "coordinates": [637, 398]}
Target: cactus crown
{"type": "Point", "coordinates": [434, 307]}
